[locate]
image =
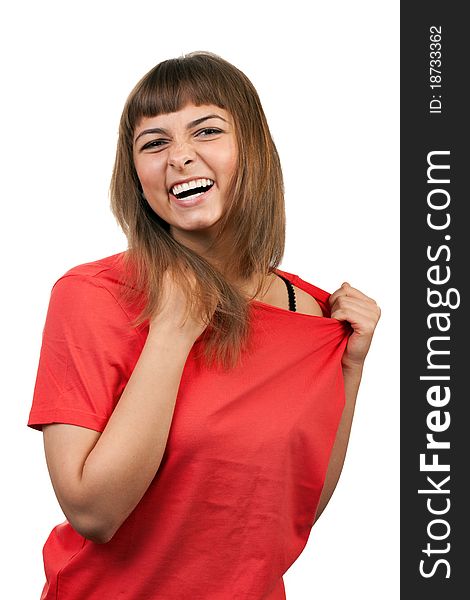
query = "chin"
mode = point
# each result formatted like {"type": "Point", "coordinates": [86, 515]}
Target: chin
{"type": "Point", "coordinates": [197, 225]}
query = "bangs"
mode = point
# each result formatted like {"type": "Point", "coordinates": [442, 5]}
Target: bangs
{"type": "Point", "coordinates": [173, 84]}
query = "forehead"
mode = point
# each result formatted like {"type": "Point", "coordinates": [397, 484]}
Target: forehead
{"type": "Point", "coordinates": [190, 112]}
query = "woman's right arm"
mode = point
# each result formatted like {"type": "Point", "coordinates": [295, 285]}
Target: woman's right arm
{"type": "Point", "coordinates": [99, 478]}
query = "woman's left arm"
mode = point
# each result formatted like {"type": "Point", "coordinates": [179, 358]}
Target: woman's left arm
{"type": "Point", "coordinates": [349, 304]}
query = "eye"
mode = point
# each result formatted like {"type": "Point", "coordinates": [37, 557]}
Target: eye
{"type": "Point", "coordinates": [153, 144]}
{"type": "Point", "coordinates": [209, 131]}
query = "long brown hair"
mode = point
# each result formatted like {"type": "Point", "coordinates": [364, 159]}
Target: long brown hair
{"type": "Point", "coordinates": [255, 213]}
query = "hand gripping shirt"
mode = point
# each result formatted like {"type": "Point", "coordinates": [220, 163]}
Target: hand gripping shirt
{"type": "Point", "coordinates": [234, 499]}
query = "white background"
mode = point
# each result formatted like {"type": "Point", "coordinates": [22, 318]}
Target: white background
{"type": "Point", "coordinates": [327, 75]}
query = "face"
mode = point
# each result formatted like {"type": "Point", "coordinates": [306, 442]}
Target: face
{"type": "Point", "coordinates": [184, 161]}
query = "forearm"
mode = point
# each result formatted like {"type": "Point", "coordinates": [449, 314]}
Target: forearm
{"type": "Point", "coordinates": [352, 379]}
{"type": "Point", "coordinates": [121, 466]}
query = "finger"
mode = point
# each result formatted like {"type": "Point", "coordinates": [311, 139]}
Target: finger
{"type": "Point", "coordinates": [344, 301]}
{"type": "Point", "coordinates": [354, 313]}
{"type": "Point", "coordinates": [347, 290]}
{"type": "Point", "coordinates": [361, 323]}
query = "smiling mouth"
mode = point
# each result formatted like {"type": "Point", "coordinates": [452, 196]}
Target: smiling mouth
{"type": "Point", "coordinates": [190, 194]}
{"type": "Point", "coordinates": [194, 192]}
{"type": "Point", "coordinates": [194, 199]}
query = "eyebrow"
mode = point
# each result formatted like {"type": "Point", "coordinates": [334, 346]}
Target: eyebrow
{"type": "Point", "coordinates": [188, 126]}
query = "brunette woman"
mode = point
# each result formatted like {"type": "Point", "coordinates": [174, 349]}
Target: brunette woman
{"type": "Point", "coordinates": [195, 399]}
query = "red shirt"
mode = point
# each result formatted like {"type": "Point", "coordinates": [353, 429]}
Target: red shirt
{"type": "Point", "coordinates": [234, 499]}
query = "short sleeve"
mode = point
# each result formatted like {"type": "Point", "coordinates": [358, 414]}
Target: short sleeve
{"type": "Point", "coordinates": [88, 353]}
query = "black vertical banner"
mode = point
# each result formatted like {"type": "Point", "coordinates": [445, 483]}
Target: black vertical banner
{"type": "Point", "coordinates": [435, 332]}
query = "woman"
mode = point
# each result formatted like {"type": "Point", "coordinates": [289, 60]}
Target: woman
{"type": "Point", "coordinates": [195, 400]}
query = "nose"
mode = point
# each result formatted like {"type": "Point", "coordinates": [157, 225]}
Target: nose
{"type": "Point", "coordinates": [181, 155]}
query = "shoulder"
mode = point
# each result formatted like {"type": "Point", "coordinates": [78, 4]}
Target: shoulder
{"type": "Point", "coordinates": [306, 304]}
{"type": "Point", "coordinates": [104, 271]}
{"type": "Point", "coordinates": [91, 289]}
{"type": "Point", "coordinates": [310, 299]}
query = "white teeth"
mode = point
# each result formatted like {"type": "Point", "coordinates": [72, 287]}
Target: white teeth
{"type": "Point", "coordinates": [177, 189]}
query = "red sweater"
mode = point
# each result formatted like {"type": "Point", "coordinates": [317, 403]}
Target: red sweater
{"type": "Point", "coordinates": [234, 499]}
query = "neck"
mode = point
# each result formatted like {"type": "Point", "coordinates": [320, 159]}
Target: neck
{"type": "Point", "coordinates": [202, 242]}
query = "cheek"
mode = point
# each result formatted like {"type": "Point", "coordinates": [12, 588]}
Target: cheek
{"type": "Point", "coordinates": [230, 161]}
{"type": "Point", "coordinates": [149, 174]}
